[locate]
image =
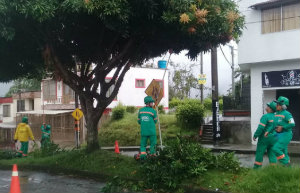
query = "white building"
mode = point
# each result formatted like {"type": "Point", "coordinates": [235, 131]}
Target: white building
{"type": "Point", "coordinates": [269, 50]}
{"type": "Point", "coordinates": [6, 108]}
{"type": "Point", "coordinates": [58, 96]}
{"type": "Point", "coordinates": [136, 80]}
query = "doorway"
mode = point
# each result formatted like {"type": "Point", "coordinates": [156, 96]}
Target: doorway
{"type": "Point", "coordinates": [294, 96]}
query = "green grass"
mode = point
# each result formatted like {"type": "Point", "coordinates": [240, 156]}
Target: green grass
{"type": "Point", "coordinates": [98, 164]}
{"type": "Point", "coordinates": [127, 130]}
{"type": "Point", "coordinates": [104, 165]}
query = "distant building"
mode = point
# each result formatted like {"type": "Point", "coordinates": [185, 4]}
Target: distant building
{"type": "Point", "coordinates": [136, 80]}
{"type": "Point", "coordinates": [6, 109]}
{"type": "Point", "coordinates": [269, 50]}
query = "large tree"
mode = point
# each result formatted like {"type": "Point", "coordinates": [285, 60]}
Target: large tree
{"type": "Point", "coordinates": [104, 35]}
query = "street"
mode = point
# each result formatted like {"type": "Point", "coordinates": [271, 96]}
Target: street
{"type": "Point", "coordinates": [38, 182]}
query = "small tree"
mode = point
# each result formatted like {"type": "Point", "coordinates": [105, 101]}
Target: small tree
{"type": "Point", "coordinates": [24, 84]}
{"type": "Point", "coordinates": [103, 36]}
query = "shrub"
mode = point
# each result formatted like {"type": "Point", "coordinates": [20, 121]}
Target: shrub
{"type": "Point", "coordinates": [175, 102]}
{"type": "Point", "coordinates": [208, 104]}
{"type": "Point", "coordinates": [131, 109]}
{"type": "Point", "coordinates": [118, 112]}
{"type": "Point", "coordinates": [190, 114]}
{"type": "Point", "coordinates": [161, 109]}
{"type": "Point", "coordinates": [7, 154]}
{"type": "Point", "coordinates": [49, 150]}
{"type": "Point", "coordinates": [182, 159]}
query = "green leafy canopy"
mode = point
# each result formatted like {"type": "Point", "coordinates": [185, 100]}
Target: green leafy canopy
{"type": "Point", "coordinates": [93, 31]}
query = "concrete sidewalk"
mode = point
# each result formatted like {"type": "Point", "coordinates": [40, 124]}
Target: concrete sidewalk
{"type": "Point", "coordinates": [294, 149]}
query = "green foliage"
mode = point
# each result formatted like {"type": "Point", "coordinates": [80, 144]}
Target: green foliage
{"type": "Point", "coordinates": [24, 85]}
{"type": "Point", "coordinates": [190, 114]}
{"type": "Point", "coordinates": [7, 154]}
{"type": "Point", "coordinates": [131, 109]}
{"type": "Point", "coordinates": [126, 131]}
{"type": "Point", "coordinates": [49, 150]}
{"type": "Point", "coordinates": [268, 180]}
{"type": "Point", "coordinates": [175, 102]}
{"type": "Point", "coordinates": [208, 104]}
{"type": "Point", "coordinates": [161, 109]}
{"type": "Point", "coordinates": [182, 159]}
{"type": "Point", "coordinates": [227, 161]}
{"type": "Point", "coordinates": [118, 112]}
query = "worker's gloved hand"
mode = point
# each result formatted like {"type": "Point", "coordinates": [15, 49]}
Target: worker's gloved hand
{"type": "Point", "coordinates": [16, 140]}
{"type": "Point", "coordinates": [279, 129]}
{"type": "Point", "coordinates": [254, 139]}
{"type": "Point", "coordinates": [266, 134]}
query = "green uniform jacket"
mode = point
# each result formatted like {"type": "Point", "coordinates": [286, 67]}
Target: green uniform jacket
{"type": "Point", "coordinates": [285, 119]}
{"type": "Point", "coordinates": [45, 133]}
{"type": "Point", "coordinates": [147, 118]}
{"type": "Point", "coordinates": [266, 124]}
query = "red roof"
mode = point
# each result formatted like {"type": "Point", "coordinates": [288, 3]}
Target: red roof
{"type": "Point", "coordinates": [6, 100]}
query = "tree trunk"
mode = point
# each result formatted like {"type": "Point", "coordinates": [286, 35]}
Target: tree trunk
{"type": "Point", "coordinates": [92, 117]}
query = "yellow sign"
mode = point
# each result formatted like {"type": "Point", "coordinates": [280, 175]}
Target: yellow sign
{"type": "Point", "coordinates": [155, 91]}
{"type": "Point", "coordinates": [202, 79]}
{"type": "Point", "coordinates": [77, 114]}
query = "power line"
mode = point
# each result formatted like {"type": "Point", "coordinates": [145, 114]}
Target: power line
{"type": "Point", "coordinates": [270, 20]}
{"type": "Point", "coordinates": [226, 58]}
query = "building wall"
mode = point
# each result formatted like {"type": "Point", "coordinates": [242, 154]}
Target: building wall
{"type": "Point", "coordinates": [129, 95]}
{"type": "Point", "coordinates": [260, 96]}
{"type": "Point", "coordinates": [255, 47]}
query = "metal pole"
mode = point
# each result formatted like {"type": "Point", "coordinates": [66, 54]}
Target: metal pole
{"type": "Point", "coordinates": [77, 127]}
{"type": "Point", "coordinates": [201, 72]}
{"type": "Point", "coordinates": [232, 71]}
{"type": "Point", "coordinates": [215, 103]}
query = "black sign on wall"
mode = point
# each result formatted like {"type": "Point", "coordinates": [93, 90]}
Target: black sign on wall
{"type": "Point", "coordinates": [285, 78]}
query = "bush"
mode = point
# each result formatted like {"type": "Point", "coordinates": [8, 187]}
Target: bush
{"type": "Point", "coordinates": [190, 114]}
{"type": "Point", "coordinates": [208, 104]}
{"type": "Point", "coordinates": [161, 109]}
{"type": "Point", "coordinates": [175, 102]}
{"type": "Point", "coordinates": [183, 159]}
{"type": "Point", "coordinates": [7, 154]}
{"type": "Point", "coordinates": [118, 112]}
{"type": "Point", "coordinates": [131, 109]}
{"type": "Point", "coordinates": [49, 150]}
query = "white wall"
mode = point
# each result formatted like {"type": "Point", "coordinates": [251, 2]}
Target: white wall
{"type": "Point", "coordinates": [129, 95]}
{"type": "Point", "coordinates": [260, 96]}
{"type": "Point", "coordinates": [257, 47]}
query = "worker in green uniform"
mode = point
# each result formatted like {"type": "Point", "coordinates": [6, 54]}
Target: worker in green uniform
{"type": "Point", "coordinates": [285, 123]}
{"type": "Point", "coordinates": [265, 143]}
{"type": "Point", "coordinates": [46, 132]}
{"type": "Point", "coordinates": [23, 133]}
{"type": "Point", "coordinates": [147, 118]}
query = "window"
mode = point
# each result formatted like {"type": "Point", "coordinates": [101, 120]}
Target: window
{"type": "Point", "coordinates": [161, 84]}
{"type": "Point", "coordinates": [49, 89]}
{"type": "Point", "coordinates": [140, 83]}
{"type": "Point", "coordinates": [20, 105]}
{"type": "Point", "coordinates": [6, 110]}
{"type": "Point", "coordinates": [68, 94]}
{"type": "Point", "coordinates": [282, 18]}
{"type": "Point", "coordinates": [111, 88]}
{"type": "Point", "coordinates": [31, 104]}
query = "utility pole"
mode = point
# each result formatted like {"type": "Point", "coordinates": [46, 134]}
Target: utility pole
{"type": "Point", "coordinates": [215, 97]}
{"type": "Point", "coordinates": [232, 71]}
{"type": "Point", "coordinates": [201, 72]}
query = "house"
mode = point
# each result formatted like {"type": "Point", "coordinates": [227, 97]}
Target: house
{"type": "Point", "coordinates": [6, 108]}
{"type": "Point", "coordinates": [58, 96]}
{"type": "Point", "coordinates": [269, 50]}
{"type": "Point", "coordinates": [136, 80]}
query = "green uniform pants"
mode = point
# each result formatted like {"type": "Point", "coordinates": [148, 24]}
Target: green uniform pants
{"type": "Point", "coordinates": [24, 149]}
{"type": "Point", "coordinates": [144, 140]}
{"type": "Point", "coordinates": [280, 148]}
{"type": "Point", "coordinates": [45, 142]}
{"type": "Point", "coordinates": [263, 145]}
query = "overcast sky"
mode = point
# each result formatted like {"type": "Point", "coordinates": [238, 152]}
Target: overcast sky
{"type": "Point", "coordinates": [224, 69]}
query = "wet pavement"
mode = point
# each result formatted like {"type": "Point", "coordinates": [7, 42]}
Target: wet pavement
{"type": "Point", "coordinates": [38, 182]}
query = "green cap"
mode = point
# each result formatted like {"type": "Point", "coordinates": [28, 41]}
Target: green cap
{"type": "Point", "coordinates": [272, 105]}
{"type": "Point", "coordinates": [283, 101]}
{"type": "Point", "coordinates": [148, 99]}
{"type": "Point", "coordinates": [25, 120]}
